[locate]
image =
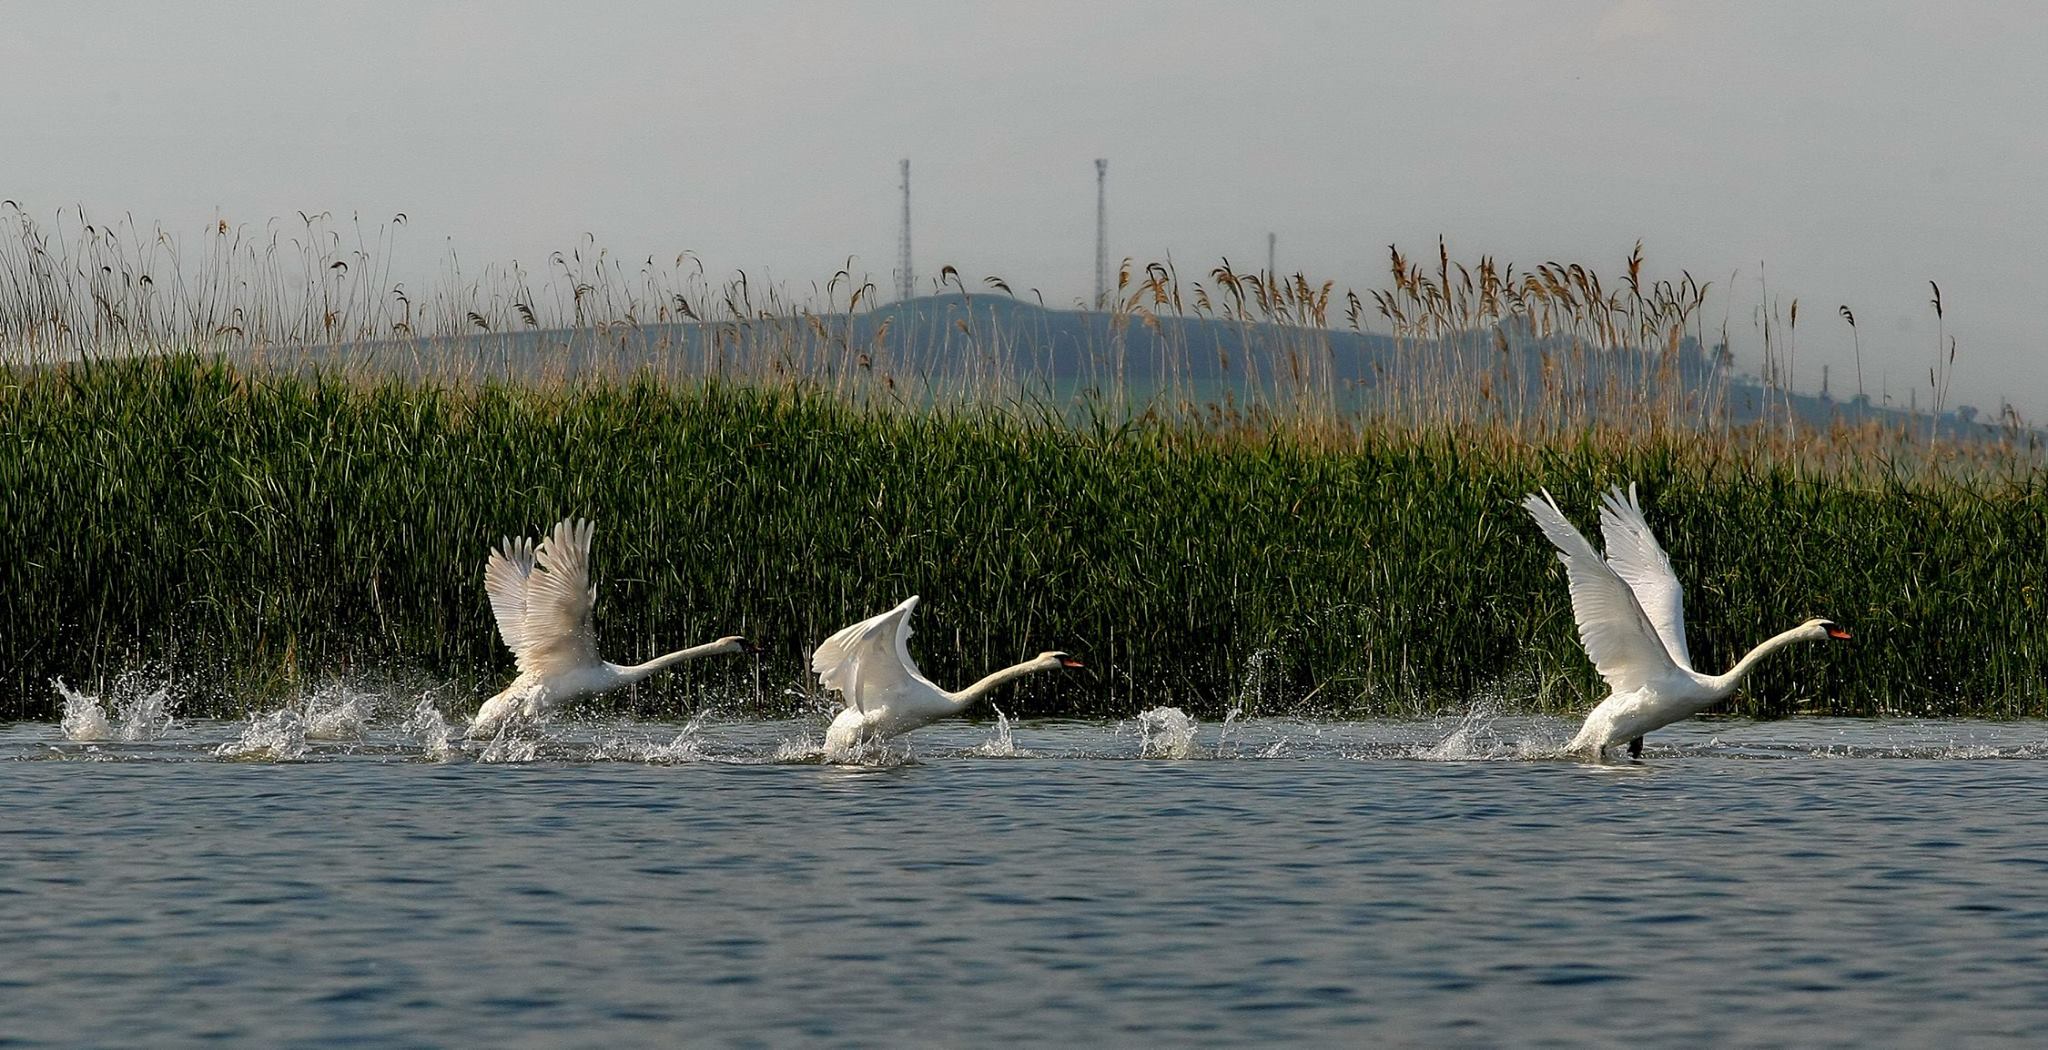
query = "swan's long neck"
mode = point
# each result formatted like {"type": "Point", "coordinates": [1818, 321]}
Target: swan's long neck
{"type": "Point", "coordinates": [635, 672]}
{"type": "Point", "coordinates": [997, 680]}
{"type": "Point", "coordinates": [1724, 684]}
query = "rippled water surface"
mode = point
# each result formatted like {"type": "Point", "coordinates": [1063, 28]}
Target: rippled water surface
{"type": "Point", "coordinates": [300, 882]}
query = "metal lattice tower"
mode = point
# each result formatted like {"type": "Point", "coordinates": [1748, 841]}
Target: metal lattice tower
{"type": "Point", "coordinates": [906, 281]}
{"type": "Point", "coordinates": [1101, 233]}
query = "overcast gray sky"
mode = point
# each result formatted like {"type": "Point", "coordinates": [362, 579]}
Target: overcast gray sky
{"type": "Point", "coordinates": [1851, 151]}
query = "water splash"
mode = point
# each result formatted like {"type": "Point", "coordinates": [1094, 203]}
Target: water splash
{"type": "Point", "coordinates": [140, 699]}
{"type": "Point", "coordinates": [684, 748]}
{"type": "Point", "coordinates": [426, 725]}
{"type": "Point", "coordinates": [145, 715]}
{"type": "Point", "coordinates": [802, 749]}
{"type": "Point", "coordinates": [876, 754]}
{"type": "Point", "coordinates": [869, 752]}
{"type": "Point", "coordinates": [336, 712]}
{"type": "Point", "coordinates": [1260, 681]}
{"type": "Point", "coordinates": [1000, 744]}
{"type": "Point", "coordinates": [84, 718]}
{"type": "Point", "coordinates": [1230, 719]}
{"type": "Point", "coordinates": [512, 744]}
{"type": "Point", "coordinates": [1481, 735]}
{"type": "Point", "coordinates": [1474, 739]}
{"type": "Point", "coordinates": [279, 736]}
{"type": "Point", "coordinates": [1461, 745]}
{"type": "Point", "coordinates": [1166, 732]}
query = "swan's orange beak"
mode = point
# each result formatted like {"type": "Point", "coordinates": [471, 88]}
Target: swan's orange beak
{"type": "Point", "coordinates": [1068, 661]}
{"type": "Point", "coordinates": [1838, 632]}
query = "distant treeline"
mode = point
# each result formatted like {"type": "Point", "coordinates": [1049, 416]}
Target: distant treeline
{"type": "Point", "coordinates": [960, 345]}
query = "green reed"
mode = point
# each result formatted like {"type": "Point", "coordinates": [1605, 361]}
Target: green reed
{"type": "Point", "coordinates": [782, 463]}
{"type": "Point", "coordinates": [253, 528]}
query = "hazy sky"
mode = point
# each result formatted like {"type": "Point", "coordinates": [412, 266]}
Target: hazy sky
{"type": "Point", "coordinates": [1850, 151]}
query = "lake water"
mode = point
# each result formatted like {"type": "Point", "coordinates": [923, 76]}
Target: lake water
{"type": "Point", "coordinates": [1808, 882]}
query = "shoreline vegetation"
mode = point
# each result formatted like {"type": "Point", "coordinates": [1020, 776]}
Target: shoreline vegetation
{"type": "Point", "coordinates": [263, 464]}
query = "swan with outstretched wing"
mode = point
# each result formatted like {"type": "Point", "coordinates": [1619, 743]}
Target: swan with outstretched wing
{"type": "Point", "coordinates": [883, 692]}
{"type": "Point", "coordinates": [1631, 616]}
{"type": "Point", "coordinates": [542, 598]}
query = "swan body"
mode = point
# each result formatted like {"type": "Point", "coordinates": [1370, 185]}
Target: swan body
{"type": "Point", "coordinates": [884, 693]}
{"type": "Point", "coordinates": [542, 598]}
{"type": "Point", "coordinates": [1631, 617]}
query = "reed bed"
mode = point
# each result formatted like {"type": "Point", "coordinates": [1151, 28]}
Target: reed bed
{"type": "Point", "coordinates": [253, 528]}
{"type": "Point", "coordinates": [264, 462]}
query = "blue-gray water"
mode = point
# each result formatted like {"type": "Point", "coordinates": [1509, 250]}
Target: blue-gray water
{"type": "Point", "coordinates": [1811, 882]}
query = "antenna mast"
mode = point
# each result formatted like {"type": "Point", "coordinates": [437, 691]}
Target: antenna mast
{"type": "Point", "coordinates": [1101, 233]}
{"type": "Point", "coordinates": [906, 283]}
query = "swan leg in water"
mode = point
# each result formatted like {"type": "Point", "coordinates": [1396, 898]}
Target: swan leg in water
{"type": "Point", "coordinates": [541, 597]}
{"type": "Point", "coordinates": [1631, 619]}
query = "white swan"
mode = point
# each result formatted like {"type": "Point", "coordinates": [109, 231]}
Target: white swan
{"type": "Point", "coordinates": [884, 693]}
{"type": "Point", "coordinates": [1631, 617]}
{"type": "Point", "coordinates": [542, 597]}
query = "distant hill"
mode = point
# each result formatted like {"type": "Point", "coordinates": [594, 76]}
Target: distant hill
{"type": "Point", "coordinates": [958, 341]}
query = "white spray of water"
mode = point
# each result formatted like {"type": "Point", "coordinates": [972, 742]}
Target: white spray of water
{"type": "Point", "coordinates": [279, 736]}
{"type": "Point", "coordinates": [84, 718]}
{"type": "Point", "coordinates": [426, 725]}
{"type": "Point", "coordinates": [1230, 719]}
{"type": "Point", "coordinates": [1000, 744]}
{"type": "Point", "coordinates": [878, 754]}
{"type": "Point", "coordinates": [1462, 743]}
{"type": "Point", "coordinates": [684, 748]}
{"type": "Point", "coordinates": [146, 715]}
{"type": "Point", "coordinates": [512, 744]}
{"type": "Point", "coordinates": [800, 750]}
{"type": "Point", "coordinates": [336, 712]}
{"type": "Point", "coordinates": [871, 752]}
{"type": "Point", "coordinates": [1473, 739]}
{"type": "Point", "coordinates": [1260, 682]}
{"type": "Point", "coordinates": [1166, 732]}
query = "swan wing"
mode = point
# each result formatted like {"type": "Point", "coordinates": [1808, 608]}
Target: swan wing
{"type": "Point", "coordinates": [870, 659]}
{"type": "Point", "coordinates": [1612, 626]}
{"type": "Point", "coordinates": [556, 627]}
{"type": "Point", "coordinates": [1635, 555]}
{"type": "Point", "coordinates": [505, 575]}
